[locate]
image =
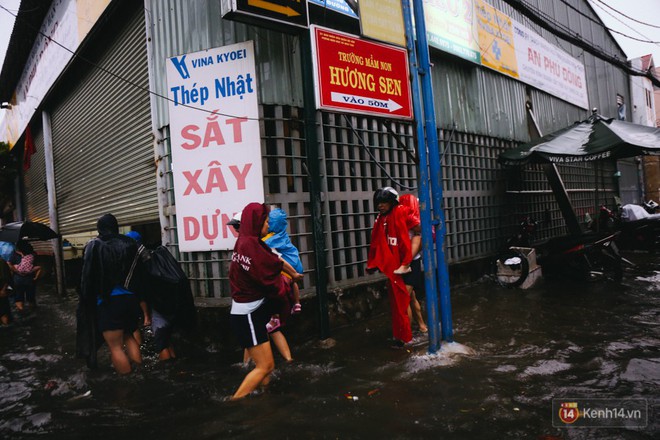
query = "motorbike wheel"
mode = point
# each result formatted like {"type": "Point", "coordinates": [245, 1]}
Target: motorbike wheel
{"type": "Point", "coordinates": [521, 273]}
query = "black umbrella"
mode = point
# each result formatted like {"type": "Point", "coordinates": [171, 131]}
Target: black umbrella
{"type": "Point", "coordinates": [12, 232]}
{"type": "Point", "coordinates": [592, 139]}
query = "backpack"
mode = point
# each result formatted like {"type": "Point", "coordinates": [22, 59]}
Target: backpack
{"type": "Point", "coordinates": [159, 263]}
{"type": "Point", "coordinates": [167, 287]}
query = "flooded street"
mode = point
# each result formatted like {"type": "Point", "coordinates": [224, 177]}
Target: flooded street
{"type": "Point", "coordinates": [557, 340]}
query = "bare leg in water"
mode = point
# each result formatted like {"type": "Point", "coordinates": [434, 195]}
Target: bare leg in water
{"type": "Point", "coordinates": [280, 343]}
{"type": "Point", "coordinates": [264, 365]}
{"type": "Point", "coordinates": [116, 339]}
{"type": "Point", "coordinates": [415, 310]}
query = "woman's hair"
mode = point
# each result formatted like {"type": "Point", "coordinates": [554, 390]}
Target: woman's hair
{"type": "Point", "coordinates": [24, 247]}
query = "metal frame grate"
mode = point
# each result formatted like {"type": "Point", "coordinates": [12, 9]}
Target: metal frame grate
{"type": "Point", "coordinates": [483, 202]}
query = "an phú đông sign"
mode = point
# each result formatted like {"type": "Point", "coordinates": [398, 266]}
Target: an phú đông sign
{"type": "Point", "coordinates": [359, 76]}
{"type": "Point", "coordinates": [216, 147]}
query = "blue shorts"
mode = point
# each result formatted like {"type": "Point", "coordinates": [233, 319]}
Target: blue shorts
{"type": "Point", "coordinates": [250, 329]}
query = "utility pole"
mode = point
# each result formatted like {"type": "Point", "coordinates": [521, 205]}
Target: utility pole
{"type": "Point", "coordinates": [435, 168]}
{"type": "Point", "coordinates": [424, 191]}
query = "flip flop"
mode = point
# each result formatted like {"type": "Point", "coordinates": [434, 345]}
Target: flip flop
{"type": "Point", "coordinates": [402, 271]}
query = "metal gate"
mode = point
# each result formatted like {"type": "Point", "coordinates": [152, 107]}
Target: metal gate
{"type": "Point", "coordinates": [102, 140]}
{"type": "Point", "coordinates": [36, 193]}
{"type": "Point", "coordinates": [359, 154]}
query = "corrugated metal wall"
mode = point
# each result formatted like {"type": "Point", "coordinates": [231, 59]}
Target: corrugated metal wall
{"type": "Point", "coordinates": [475, 99]}
{"type": "Point", "coordinates": [482, 101]}
{"type": "Point", "coordinates": [102, 138]}
{"type": "Point", "coordinates": [480, 113]}
{"type": "Point", "coordinates": [179, 26]}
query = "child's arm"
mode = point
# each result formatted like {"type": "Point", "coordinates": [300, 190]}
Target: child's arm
{"type": "Point", "coordinates": [289, 270]}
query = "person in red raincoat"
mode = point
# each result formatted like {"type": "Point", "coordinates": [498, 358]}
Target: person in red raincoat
{"type": "Point", "coordinates": [390, 252]}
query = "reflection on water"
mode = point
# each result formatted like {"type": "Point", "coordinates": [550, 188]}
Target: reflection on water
{"type": "Point", "coordinates": [515, 351]}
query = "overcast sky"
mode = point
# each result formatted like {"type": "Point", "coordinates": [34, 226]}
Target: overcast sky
{"type": "Point", "coordinates": [7, 23]}
{"type": "Point", "coordinates": [645, 11]}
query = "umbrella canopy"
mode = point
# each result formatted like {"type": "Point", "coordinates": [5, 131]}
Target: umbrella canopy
{"type": "Point", "coordinates": [592, 139]}
{"type": "Point", "coordinates": [12, 232]}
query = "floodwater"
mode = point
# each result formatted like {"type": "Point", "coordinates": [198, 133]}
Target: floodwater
{"type": "Point", "coordinates": [515, 351]}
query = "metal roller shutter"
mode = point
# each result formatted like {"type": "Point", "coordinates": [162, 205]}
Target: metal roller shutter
{"type": "Point", "coordinates": [102, 140]}
{"type": "Point", "coordinates": [36, 195]}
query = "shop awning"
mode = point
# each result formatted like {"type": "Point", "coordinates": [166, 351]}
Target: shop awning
{"type": "Point", "coordinates": [595, 138]}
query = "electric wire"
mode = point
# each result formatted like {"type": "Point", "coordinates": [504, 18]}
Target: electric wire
{"type": "Point", "coordinates": [627, 16]}
{"type": "Point", "coordinates": [378, 164]}
{"type": "Point", "coordinates": [646, 40]}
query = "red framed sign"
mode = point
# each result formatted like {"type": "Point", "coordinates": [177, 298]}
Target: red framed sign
{"type": "Point", "coordinates": [359, 76]}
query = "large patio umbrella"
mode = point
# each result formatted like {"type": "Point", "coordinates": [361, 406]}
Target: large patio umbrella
{"type": "Point", "coordinates": [12, 232]}
{"type": "Point", "coordinates": [594, 138]}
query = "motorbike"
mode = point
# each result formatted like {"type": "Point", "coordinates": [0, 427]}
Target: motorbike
{"type": "Point", "coordinates": [585, 257]}
{"type": "Point", "coordinates": [640, 228]}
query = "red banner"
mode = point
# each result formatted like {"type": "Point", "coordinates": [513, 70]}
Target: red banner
{"type": "Point", "coordinates": [359, 76]}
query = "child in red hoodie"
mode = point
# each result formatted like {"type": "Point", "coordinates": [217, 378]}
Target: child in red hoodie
{"type": "Point", "coordinates": [254, 275]}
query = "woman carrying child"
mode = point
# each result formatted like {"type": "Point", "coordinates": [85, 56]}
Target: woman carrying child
{"type": "Point", "coordinates": [254, 276]}
{"type": "Point", "coordinates": [25, 275]}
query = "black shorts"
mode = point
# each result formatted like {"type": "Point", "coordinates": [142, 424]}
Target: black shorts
{"type": "Point", "coordinates": [162, 329]}
{"type": "Point", "coordinates": [5, 308]}
{"type": "Point", "coordinates": [119, 312]}
{"type": "Point", "coordinates": [250, 329]}
{"type": "Point", "coordinates": [415, 278]}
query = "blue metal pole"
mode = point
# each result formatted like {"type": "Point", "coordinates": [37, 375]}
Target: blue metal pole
{"type": "Point", "coordinates": [435, 168]}
{"type": "Point", "coordinates": [424, 193]}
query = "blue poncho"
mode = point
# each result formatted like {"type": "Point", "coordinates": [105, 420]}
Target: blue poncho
{"type": "Point", "coordinates": [280, 241]}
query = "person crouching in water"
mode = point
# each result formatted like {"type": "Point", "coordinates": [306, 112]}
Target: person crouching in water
{"type": "Point", "coordinates": [254, 275]}
{"type": "Point", "coordinates": [108, 302]}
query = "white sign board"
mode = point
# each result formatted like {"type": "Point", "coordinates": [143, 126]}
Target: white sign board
{"type": "Point", "coordinates": [549, 68]}
{"type": "Point", "coordinates": [66, 25]}
{"type": "Point", "coordinates": [216, 147]}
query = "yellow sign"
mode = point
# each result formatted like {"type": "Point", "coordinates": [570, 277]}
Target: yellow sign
{"type": "Point", "coordinates": [495, 32]}
{"type": "Point", "coordinates": [383, 20]}
{"type": "Point", "coordinates": [274, 7]}
{"type": "Point", "coordinates": [267, 12]}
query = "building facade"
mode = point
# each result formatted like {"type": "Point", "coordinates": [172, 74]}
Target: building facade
{"type": "Point", "coordinates": [102, 123]}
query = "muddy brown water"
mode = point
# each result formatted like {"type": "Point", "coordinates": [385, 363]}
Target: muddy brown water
{"type": "Point", "coordinates": [556, 340]}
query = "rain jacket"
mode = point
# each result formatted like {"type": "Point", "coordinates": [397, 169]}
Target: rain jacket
{"type": "Point", "coordinates": [107, 260]}
{"type": "Point", "coordinates": [254, 272]}
{"type": "Point", "coordinates": [279, 240]}
{"type": "Point", "coordinates": [390, 248]}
